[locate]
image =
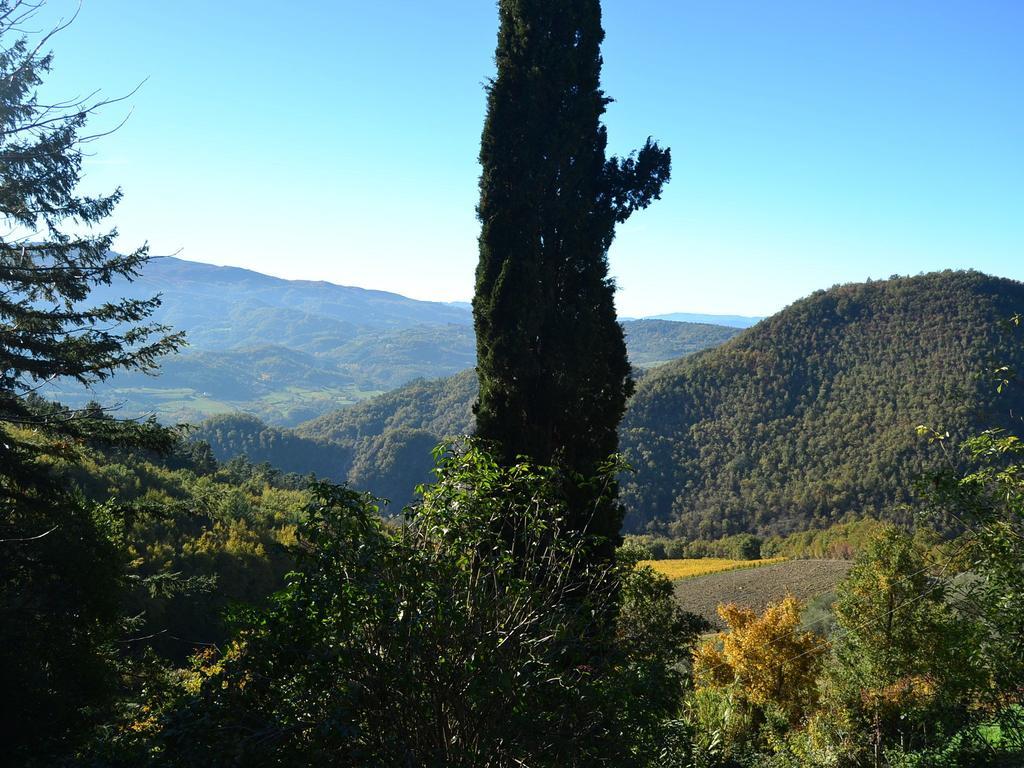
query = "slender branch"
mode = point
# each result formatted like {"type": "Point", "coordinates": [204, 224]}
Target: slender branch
{"type": "Point", "coordinates": [30, 538]}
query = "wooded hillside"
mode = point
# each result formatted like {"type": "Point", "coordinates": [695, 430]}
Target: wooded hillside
{"type": "Point", "coordinates": [806, 419]}
{"type": "Point", "coordinates": [810, 417]}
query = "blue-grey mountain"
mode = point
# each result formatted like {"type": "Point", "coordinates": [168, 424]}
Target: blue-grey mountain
{"type": "Point", "coordinates": [290, 350]}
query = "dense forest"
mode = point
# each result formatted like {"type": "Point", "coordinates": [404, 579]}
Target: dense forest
{"type": "Point", "coordinates": [198, 535]}
{"type": "Point", "coordinates": [384, 444]}
{"type": "Point", "coordinates": [650, 343]}
{"type": "Point", "coordinates": [806, 419]}
{"type": "Point", "coordinates": [243, 435]}
{"type": "Point", "coordinates": [443, 407]}
{"type": "Point", "coordinates": [811, 416]}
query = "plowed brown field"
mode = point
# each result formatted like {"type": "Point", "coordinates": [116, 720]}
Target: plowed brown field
{"type": "Point", "coordinates": [756, 587]}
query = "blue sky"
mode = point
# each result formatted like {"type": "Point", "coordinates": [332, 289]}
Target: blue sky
{"type": "Point", "coordinates": [813, 142]}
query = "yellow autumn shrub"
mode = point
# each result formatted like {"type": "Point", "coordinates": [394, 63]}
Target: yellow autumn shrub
{"type": "Point", "coordinates": [765, 657]}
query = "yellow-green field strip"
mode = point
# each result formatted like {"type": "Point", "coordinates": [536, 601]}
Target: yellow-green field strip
{"type": "Point", "coordinates": [688, 568]}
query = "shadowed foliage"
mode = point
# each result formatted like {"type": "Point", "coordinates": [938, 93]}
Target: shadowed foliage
{"type": "Point", "coordinates": [551, 357]}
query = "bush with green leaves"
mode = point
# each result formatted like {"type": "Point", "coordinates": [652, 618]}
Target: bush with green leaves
{"type": "Point", "coordinates": [903, 672]}
{"type": "Point", "coordinates": [987, 500]}
{"type": "Point", "coordinates": [480, 633]}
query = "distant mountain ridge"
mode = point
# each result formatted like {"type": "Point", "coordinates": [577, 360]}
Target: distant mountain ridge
{"type": "Point", "coordinates": [732, 321]}
{"type": "Point", "coordinates": [201, 299]}
{"type": "Point", "coordinates": [290, 350]}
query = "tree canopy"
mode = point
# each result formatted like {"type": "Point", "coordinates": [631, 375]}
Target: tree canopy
{"type": "Point", "coordinates": [551, 357]}
{"type": "Point", "coordinates": [61, 573]}
{"type": "Point", "coordinates": [810, 417]}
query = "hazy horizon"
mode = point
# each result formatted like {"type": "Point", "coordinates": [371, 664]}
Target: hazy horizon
{"type": "Point", "coordinates": [812, 144]}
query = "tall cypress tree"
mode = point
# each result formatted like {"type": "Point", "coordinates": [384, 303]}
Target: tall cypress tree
{"type": "Point", "coordinates": [554, 377]}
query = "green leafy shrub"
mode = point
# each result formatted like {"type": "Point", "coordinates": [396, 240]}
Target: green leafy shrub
{"type": "Point", "coordinates": [479, 633]}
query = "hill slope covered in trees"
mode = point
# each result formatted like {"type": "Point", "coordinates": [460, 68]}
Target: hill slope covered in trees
{"type": "Point", "coordinates": [808, 418]}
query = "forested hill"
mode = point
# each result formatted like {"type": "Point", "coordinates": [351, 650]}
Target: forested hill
{"type": "Point", "coordinates": [442, 407]}
{"type": "Point", "coordinates": [807, 418]}
{"type": "Point", "coordinates": [653, 342]}
{"type": "Point", "coordinates": [384, 444]}
{"type": "Point", "coordinates": [811, 416]}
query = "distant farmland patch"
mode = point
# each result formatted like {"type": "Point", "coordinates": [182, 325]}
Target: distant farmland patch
{"type": "Point", "coordinates": [756, 588]}
{"type": "Point", "coordinates": [692, 567]}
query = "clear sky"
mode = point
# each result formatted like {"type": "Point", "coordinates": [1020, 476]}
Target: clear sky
{"type": "Point", "coordinates": [813, 142]}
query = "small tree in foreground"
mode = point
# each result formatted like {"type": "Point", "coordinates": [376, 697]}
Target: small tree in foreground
{"type": "Point", "coordinates": [902, 670]}
{"type": "Point", "coordinates": [982, 494]}
{"type": "Point", "coordinates": [762, 670]}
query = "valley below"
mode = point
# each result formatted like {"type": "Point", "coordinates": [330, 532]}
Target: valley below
{"type": "Point", "coordinates": [290, 351]}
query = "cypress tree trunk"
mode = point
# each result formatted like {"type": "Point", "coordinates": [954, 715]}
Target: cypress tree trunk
{"type": "Point", "coordinates": [554, 377]}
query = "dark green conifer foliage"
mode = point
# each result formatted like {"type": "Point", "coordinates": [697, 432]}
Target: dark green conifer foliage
{"type": "Point", "coordinates": [61, 572]}
{"type": "Point", "coordinates": [552, 364]}
{"type": "Point", "coordinates": [50, 258]}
